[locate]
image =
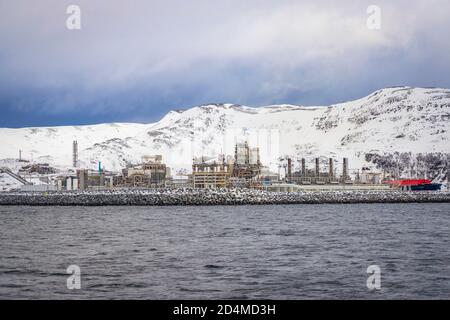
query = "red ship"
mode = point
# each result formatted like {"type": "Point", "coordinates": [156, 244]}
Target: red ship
{"type": "Point", "coordinates": [415, 185]}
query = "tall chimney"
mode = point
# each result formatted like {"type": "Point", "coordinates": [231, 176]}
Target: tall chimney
{"type": "Point", "coordinates": [345, 169]}
{"type": "Point", "coordinates": [75, 154]}
{"type": "Point", "coordinates": [448, 177]}
{"type": "Point", "coordinates": [330, 169]}
{"type": "Point", "coordinates": [303, 167]}
{"type": "Point", "coordinates": [247, 153]}
{"type": "Point", "coordinates": [317, 167]}
{"type": "Point", "coordinates": [289, 169]}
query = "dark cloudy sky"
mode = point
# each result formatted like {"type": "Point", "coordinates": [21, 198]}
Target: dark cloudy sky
{"type": "Point", "coordinates": [133, 60]}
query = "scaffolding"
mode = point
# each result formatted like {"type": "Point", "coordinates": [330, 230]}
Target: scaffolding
{"type": "Point", "coordinates": [210, 175]}
{"type": "Point", "coordinates": [247, 164]}
{"type": "Point", "coordinates": [151, 173]}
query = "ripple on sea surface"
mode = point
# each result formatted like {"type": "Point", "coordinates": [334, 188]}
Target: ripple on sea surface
{"type": "Point", "coordinates": [301, 251]}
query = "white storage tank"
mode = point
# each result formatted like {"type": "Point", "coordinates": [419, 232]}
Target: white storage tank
{"type": "Point", "coordinates": [74, 184]}
{"type": "Point", "coordinates": [69, 184]}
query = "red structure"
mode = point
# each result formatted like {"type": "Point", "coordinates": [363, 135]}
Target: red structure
{"type": "Point", "coordinates": [409, 182]}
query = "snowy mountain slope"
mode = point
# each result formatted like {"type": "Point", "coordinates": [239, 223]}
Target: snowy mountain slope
{"type": "Point", "coordinates": [393, 119]}
{"type": "Point", "coordinates": [53, 144]}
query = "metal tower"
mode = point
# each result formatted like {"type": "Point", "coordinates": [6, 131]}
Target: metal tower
{"type": "Point", "coordinates": [75, 154]}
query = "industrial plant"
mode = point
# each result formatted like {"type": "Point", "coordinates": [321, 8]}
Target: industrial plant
{"type": "Point", "coordinates": [243, 169]}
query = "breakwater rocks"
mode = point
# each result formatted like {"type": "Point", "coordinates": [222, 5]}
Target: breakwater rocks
{"type": "Point", "coordinates": [170, 197]}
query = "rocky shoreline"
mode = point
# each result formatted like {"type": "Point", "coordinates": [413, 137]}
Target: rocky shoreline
{"type": "Point", "coordinates": [197, 197]}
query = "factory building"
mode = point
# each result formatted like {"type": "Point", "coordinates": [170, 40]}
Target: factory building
{"type": "Point", "coordinates": [247, 164]}
{"type": "Point", "coordinates": [369, 177]}
{"type": "Point", "coordinates": [84, 179]}
{"type": "Point", "coordinates": [39, 168]}
{"type": "Point", "coordinates": [242, 170]}
{"type": "Point", "coordinates": [318, 175]}
{"type": "Point", "coordinates": [67, 182]}
{"type": "Point", "coordinates": [209, 173]}
{"type": "Point", "coordinates": [150, 173]}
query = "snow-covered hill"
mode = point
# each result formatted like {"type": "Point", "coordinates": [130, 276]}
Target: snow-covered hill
{"type": "Point", "coordinates": [394, 119]}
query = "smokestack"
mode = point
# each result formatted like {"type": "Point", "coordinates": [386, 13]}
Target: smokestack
{"type": "Point", "coordinates": [448, 177]}
{"type": "Point", "coordinates": [247, 153]}
{"type": "Point", "coordinates": [330, 169]}
{"type": "Point", "coordinates": [75, 154]}
{"type": "Point", "coordinates": [345, 169]}
{"type": "Point", "coordinates": [303, 167]}
{"type": "Point", "coordinates": [259, 160]}
{"type": "Point", "coordinates": [289, 169]}
{"type": "Point", "coordinates": [317, 167]}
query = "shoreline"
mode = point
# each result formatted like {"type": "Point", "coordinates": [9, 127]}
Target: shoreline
{"type": "Point", "coordinates": [202, 197]}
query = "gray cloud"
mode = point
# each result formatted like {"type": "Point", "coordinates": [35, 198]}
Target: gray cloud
{"type": "Point", "coordinates": [147, 56]}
